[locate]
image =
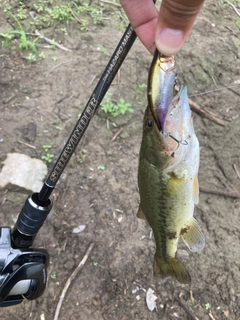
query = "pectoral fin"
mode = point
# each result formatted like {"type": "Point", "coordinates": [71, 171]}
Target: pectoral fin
{"type": "Point", "coordinates": [140, 214]}
{"type": "Point", "coordinates": [193, 236]}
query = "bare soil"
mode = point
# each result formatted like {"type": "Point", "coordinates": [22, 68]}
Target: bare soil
{"type": "Point", "coordinates": [51, 94]}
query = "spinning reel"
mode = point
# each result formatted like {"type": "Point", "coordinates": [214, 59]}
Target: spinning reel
{"type": "Point", "coordinates": [23, 270]}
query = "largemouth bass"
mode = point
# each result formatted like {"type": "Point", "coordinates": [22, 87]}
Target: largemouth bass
{"type": "Point", "coordinates": [168, 170]}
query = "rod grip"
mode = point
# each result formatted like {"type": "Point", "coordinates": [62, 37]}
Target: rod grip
{"type": "Point", "coordinates": [30, 220]}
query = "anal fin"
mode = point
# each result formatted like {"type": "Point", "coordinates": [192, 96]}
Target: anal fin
{"type": "Point", "coordinates": [140, 214]}
{"type": "Point", "coordinates": [193, 236]}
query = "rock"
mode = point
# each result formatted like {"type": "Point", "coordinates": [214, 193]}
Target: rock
{"type": "Point", "coordinates": [23, 171]}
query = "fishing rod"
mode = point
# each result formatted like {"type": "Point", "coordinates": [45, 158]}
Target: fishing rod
{"type": "Point", "coordinates": [23, 270]}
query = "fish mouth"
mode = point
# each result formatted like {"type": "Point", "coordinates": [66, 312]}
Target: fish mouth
{"type": "Point", "coordinates": [161, 87]}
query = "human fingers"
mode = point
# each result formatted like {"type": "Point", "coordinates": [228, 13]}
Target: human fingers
{"type": "Point", "coordinates": [143, 17]}
{"type": "Point", "coordinates": [175, 21]}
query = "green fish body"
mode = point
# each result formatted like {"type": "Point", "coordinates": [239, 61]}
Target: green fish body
{"type": "Point", "coordinates": [167, 175]}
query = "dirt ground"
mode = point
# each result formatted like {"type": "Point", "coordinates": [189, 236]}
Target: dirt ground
{"type": "Point", "coordinates": [99, 186]}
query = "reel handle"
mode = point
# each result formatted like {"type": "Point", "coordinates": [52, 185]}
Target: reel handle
{"type": "Point", "coordinates": [23, 272]}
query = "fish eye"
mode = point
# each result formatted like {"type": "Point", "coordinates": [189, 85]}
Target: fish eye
{"type": "Point", "coordinates": [149, 123]}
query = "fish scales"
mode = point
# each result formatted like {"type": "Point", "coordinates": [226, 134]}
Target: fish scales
{"type": "Point", "coordinates": [168, 168]}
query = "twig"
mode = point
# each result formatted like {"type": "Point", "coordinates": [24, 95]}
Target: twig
{"type": "Point", "coordinates": [211, 116]}
{"type": "Point", "coordinates": [220, 192]}
{"type": "Point", "coordinates": [114, 4]}
{"type": "Point", "coordinates": [58, 65]}
{"type": "Point", "coordinates": [73, 14]}
{"type": "Point", "coordinates": [71, 278]}
{"type": "Point", "coordinates": [37, 33]}
{"type": "Point", "coordinates": [116, 134]}
{"type": "Point", "coordinates": [211, 316]}
{"type": "Point", "coordinates": [191, 315]}
{"type": "Point", "coordinates": [26, 144]}
{"type": "Point", "coordinates": [9, 99]}
{"type": "Point", "coordinates": [238, 94]}
{"type": "Point", "coordinates": [119, 76]}
{"type": "Point", "coordinates": [236, 170]}
{"type": "Point", "coordinates": [91, 82]}
{"type": "Point", "coordinates": [234, 8]}
{"type": "Point", "coordinates": [232, 31]}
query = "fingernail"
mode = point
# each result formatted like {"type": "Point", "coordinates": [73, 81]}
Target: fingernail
{"type": "Point", "coordinates": [169, 41]}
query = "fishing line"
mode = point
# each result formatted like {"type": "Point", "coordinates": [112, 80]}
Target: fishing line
{"type": "Point", "coordinates": [211, 91]}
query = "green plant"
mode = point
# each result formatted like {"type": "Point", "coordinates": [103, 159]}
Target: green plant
{"type": "Point", "coordinates": [103, 50]}
{"type": "Point", "coordinates": [47, 157]}
{"type": "Point", "coordinates": [95, 13]}
{"type": "Point", "coordinates": [22, 12]}
{"type": "Point", "coordinates": [7, 37]}
{"type": "Point", "coordinates": [141, 87]}
{"type": "Point", "coordinates": [84, 25]}
{"type": "Point", "coordinates": [116, 109]}
{"type": "Point", "coordinates": [53, 276]}
{"type": "Point", "coordinates": [64, 30]}
{"type": "Point", "coordinates": [50, 11]}
{"type": "Point", "coordinates": [207, 306]}
{"type": "Point", "coordinates": [236, 2]}
{"type": "Point", "coordinates": [31, 57]}
{"type": "Point", "coordinates": [82, 155]}
{"type": "Point", "coordinates": [140, 92]}
{"type": "Point", "coordinates": [25, 43]}
{"type": "Point", "coordinates": [60, 13]}
{"type": "Point", "coordinates": [46, 147]}
{"type": "Point", "coordinates": [42, 55]}
{"type": "Point", "coordinates": [101, 167]}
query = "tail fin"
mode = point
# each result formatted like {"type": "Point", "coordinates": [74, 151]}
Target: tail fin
{"type": "Point", "coordinates": [172, 267]}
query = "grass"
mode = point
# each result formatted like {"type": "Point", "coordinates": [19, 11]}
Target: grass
{"type": "Point", "coordinates": [47, 13]}
{"type": "Point", "coordinates": [25, 44]}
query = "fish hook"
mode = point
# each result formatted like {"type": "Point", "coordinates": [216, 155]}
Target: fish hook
{"type": "Point", "coordinates": [185, 143]}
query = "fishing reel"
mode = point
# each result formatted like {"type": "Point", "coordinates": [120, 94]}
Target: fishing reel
{"type": "Point", "coordinates": [23, 270]}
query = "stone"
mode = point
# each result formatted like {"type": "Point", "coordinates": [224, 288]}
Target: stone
{"type": "Point", "coordinates": [22, 171]}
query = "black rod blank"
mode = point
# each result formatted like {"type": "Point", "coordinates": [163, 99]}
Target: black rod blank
{"type": "Point", "coordinates": [93, 103]}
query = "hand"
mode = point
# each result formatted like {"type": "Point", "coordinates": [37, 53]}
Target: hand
{"type": "Point", "coordinates": [167, 29]}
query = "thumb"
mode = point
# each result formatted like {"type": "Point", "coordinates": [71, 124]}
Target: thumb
{"type": "Point", "coordinates": [175, 21]}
